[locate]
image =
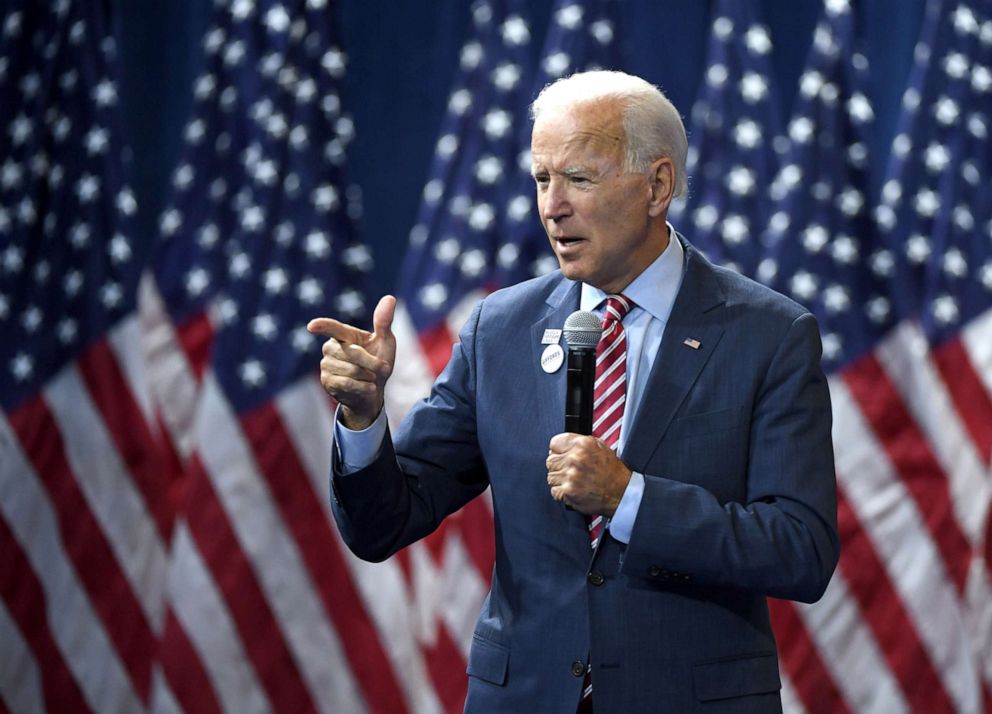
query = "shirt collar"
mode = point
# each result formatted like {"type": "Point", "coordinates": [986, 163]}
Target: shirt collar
{"type": "Point", "coordinates": [654, 290]}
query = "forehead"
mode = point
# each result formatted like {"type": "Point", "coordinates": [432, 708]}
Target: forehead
{"type": "Point", "coordinates": [577, 131]}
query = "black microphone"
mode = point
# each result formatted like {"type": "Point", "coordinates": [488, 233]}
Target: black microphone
{"type": "Point", "coordinates": [582, 331]}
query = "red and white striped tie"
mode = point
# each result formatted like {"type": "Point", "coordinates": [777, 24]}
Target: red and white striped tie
{"type": "Point", "coordinates": [610, 390]}
{"type": "Point", "coordinates": [609, 395]}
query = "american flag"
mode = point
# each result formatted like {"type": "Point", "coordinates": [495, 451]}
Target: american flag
{"type": "Point", "coordinates": [265, 609]}
{"type": "Point", "coordinates": [85, 513]}
{"type": "Point", "coordinates": [733, 136]}
{"type": "Point", "coordinates": [905, 624]}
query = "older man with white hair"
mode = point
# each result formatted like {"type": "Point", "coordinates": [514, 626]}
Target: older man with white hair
{"type": "Point", "coordinates": [632, 563]}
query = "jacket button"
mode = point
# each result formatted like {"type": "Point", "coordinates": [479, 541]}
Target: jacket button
{"type": "Point", "coordinates": [596, 577]}
{"type": "Point", "coordinates": [654, 571]}
{"type": "Point", "coordinates": [578, 668]}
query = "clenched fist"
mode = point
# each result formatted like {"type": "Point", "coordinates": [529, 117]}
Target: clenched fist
{"type": "Point", "coordinates": [357, 363]}
{"type": "Point", "coordinates": [586, 474]}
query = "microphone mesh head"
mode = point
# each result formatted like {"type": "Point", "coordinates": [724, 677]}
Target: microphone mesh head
{"type": "Point", "coordinates": [582, 329]}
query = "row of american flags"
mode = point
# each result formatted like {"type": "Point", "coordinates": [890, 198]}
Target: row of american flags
{"type": "Point", "coordinates": [165, 540]}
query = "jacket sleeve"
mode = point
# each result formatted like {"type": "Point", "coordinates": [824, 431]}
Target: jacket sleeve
{"type": "Point", "coordinates": [433, 468]}
{"type": "Point", "coordinates": [781, 539]}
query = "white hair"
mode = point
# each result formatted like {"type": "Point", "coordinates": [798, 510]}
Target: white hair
{"type": "Point", "coordinates": [651, 123]}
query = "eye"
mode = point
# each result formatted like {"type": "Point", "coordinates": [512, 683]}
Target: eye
{"type": "Point", "coordinates": [541, 180]}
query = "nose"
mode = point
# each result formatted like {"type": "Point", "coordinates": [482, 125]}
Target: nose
{"type": "Point", "coordinates": [554, 201]}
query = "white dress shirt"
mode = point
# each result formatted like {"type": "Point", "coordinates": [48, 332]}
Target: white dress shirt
{"type": "Point", "coordinates": [653, 293]}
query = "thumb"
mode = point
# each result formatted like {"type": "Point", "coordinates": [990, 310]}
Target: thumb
{"type": "Point", "coordinates": [382, 318]}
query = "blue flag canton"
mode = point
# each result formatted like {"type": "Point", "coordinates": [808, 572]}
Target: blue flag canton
{"type": "Point", "coordinates": [935, 209]}
{"type": "Point", "coordinates": [68, 271]}
{"type": "Point", "coordinates": [262, 227]}
{"type": "Point", "coordinates": [581, 37]}
{"type": "Point", "coordinates": [454, 240]}
{"type": "Point", "coordinates": [734, 131]}
{"type": "Point", "coordinates": [824, 249]}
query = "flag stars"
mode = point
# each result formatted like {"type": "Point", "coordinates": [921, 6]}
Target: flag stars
{"type": "Point", "coordinates": [471, 56]}
{"type": "Point", "coordinates": [119, 249]}
{"type": "Point", "coordinates": [515, 31]}
{"type": "Point", "coordinates": [946, 111]}
{"type": "Point", "coordinates": [88, 188]}
{"type": "Point", "coordinates": [832, 346]}
{"type": "Point", "coordinates": [496, 124]}
{"type": "Point", "coordinates": [481, 216]}
{"type": "Point", "coordinates": [20, 130]}
{"type": "Point", "coordinates": [433, 296]}
{"type": "Point", "coordinates": [302, 340]}
{"type": "Point", "coordinates": [757, 40]}
{"type": "Point", "coordinates": [275, 281]}
{"type": "Point", "coordinates": [111, 295]}
{"type": "Point", "coordinates": [32, 318]}
{"type": "Point", "coordinates": [882, 263]}
{"type": "Point", "coordinates": [277, 19]}
{"type": "Point", "coordinates": [234, 53]}
{"type": "Point", "coordinates": [333, 62]}
{"type": "Point", "coordinates": [927, 203]}
{"type": "Point", "coordinates": [309, 291]}
{"type": "Point", "coordinates": [850, 201]}
{"type": "Point", "coordinates": [488, 170]}
{"type": "Point", "coordinates": [10, 175]}
{"type": "Point", "coordinates": [252, 373]}
{"type": "Point", "coordinates": [954, 263]}
{"type": "Point", "coordinates": [350, 303]}
{"type": "Point", "coordinates": [66, 330]}
{"type": "Point", "coordinates": [803, 285]}
{"type": "Point", "coordinates": [519, 208]}
{"type": "Point", "coordinates": [836, 299]}
{"type": "Point", "coordinates": [325, 198]}
{"type": "Point", "coordinates": [556, 64]}
{"type": "Point", "coordinates": [879, 309]}
{"type": "Point", "coordinates": [815, 237]}
{"type": "Point", "coordinates": [602, 31]}
{"type": "Point", "coordinates": [945, 309]}
{"type": "Point", "coordinates": [253, 219]}
{"type": "Point", "coordinates": [357, 257]}
{"type": "Point", "coordinates": [239, 265]}
{"type": "Point", "coordinates": [963, 218]}
{"type": "Point", "coordinates": [105, 93]}
{"type": "Point", "coordinates": [801, 130]}
{"type": "Point", "coordinates": [447, 145]}
{"type": "Point", "coordinates": [264, 326]}
{"type": "Point", "coordinates": [985, 275]}
{"type": "Point", "coordinates": [734, 229]}
{"type": "Point", "coordinates": [918, 249]}
{"type": "Point", "coordinates": [844, 250]}
{"type": "Point", "coordinates": [569, 17]}
{"type": "Point", "coordinates": [447, 250]}
{"type": "Point", "coordinates": [956, 65]}
{"type": "Point", "coordinates": [22, 367]}
{"type": "Point", "coordinates": [196, 282]}
{"type": "Point", "coordinates": [472, 263]}
{"type": "Point", "coordinates": [964, 20]}
{"type": "Point", "coordinates": [508, 255]}
{"type": "Point", "coordinates": [747, 134]}
{"type": "Point", "coordinates": [716, 76]}
{"type": "Point", "coordinates": [754, 87]}
{"type": "Point", "coordinates": [981, 79]}
{"type": "Point", "coordinates": [506, 76]}
{"type": "Point", "coordinates": [859, 108]}
{"type": "Point", "coordinates": [936, 157]}
{"type": "Point", "coordinates": [740, 181]}
{"type": "Point", "coordinates": [72, 283]}
{"type": "Point", "coordinates": [316, 245]}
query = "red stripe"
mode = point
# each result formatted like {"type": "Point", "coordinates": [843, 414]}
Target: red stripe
{"type": "Point", "coordinates": [436, 344]}
{"type": "Point", "coordinates": [24, 597]}
{"type": "Point", "coordinates": [111, 393]}
{"type": "Point", "coordinates": [246, 602]}
{"type": "Point", "coordinates": [886, 615]}
{"type": "Point", "coordinates": [305, 518]}
{"type": "Point", "coordinates": [196, 337]}
{"type": "Point", "coordinates": [446, 667]}
{"type": "Point", "coordinates": [910, 454]}
{"type": "Point", "coordinates": [86, 545]}
{"type": "Point", "coordinates": [971, 400]}
{"type": "Point", "coordinates": [184, 671]}
{"type": "Point", "coordinates": [801, 660]}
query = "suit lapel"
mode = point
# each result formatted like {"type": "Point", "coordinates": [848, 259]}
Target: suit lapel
{"type": "Point", "coordinates": [696, 316]}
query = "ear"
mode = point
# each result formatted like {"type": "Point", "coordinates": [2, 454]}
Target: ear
{"type": "Point", "coordinates": [661, 183]}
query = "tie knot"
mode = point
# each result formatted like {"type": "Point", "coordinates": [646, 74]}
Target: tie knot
{"type": "Point", "coordinates": [617, 307]}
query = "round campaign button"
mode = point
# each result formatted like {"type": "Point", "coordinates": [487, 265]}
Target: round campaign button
{"type": "Point", "coordinates": [552, 358]}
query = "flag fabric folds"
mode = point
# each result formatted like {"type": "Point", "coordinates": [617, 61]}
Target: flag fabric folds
{"type": "Point", "coordinates": [85, 511]}
{"type": "Point", "coordinates": [734, 132]}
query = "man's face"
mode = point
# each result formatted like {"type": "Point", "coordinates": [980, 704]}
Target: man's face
{"type": "Point", "coordinates": [600, 220]}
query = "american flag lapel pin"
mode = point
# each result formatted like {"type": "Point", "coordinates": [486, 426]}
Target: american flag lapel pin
{"type": "Point", "coordinates": [693, 343]}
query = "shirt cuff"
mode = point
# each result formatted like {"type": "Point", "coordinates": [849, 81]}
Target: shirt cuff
{"type": "Point", "coordinates": [622, 523]}
{"type": "Point", "coordinates": [358, 449]}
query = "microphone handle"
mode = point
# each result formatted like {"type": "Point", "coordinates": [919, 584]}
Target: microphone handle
{"type": "Point", "coordinates": [580, 382]}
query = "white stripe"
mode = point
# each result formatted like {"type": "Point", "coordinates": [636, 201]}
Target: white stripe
{"type": "Point", "coordinates": [201, 611]}
{"type": "Point", "coordinates": [980, 619]}
{"type": "Point", "coordinates": [977, 338]}
{"type": "Point", "coordinates": [163, 701]}
{"type": "Point", "coordinates": [605, 436]}
{"type": "Point", "coordinates": [905, 356]}
{"type": "Point", "coordinates": [171, 379]}
{"type": "Point", "coordinates": [412, 377]}
{"type": "Point", "coordinates": [790, 702]}
{"type": "Point", "coordinates": [74, 625]}
{"type": "Point", "coordinates": [110, 491]}
{"type": "Point", "coordinates": [890, 517]}
{"type": "Point", "coordinates": [20, 678]}
{"type": "Point", "coordinates": [276, 560]}
{"type": "Point", "coordinates": [848, 650]}
{"type": "Point", "coordinates": [125, 344]}
{"type": "Point", "coordinates": [306, 411]}
{"type": "Point", "coordinates": [462, 593]}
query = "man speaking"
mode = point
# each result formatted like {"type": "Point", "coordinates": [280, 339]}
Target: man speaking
{"type": "Point", "coordinates": [632, 563]}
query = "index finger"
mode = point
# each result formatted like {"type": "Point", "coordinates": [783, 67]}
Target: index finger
{"type": "Point", "coordinates": [329, 327]}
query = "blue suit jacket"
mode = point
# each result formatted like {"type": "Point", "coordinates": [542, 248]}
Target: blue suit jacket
{"type": "Point", "coordinates": [739, 502]}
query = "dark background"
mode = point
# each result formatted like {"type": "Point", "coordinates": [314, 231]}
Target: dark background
{"type": "Point", "coordinates": [402, 58]}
